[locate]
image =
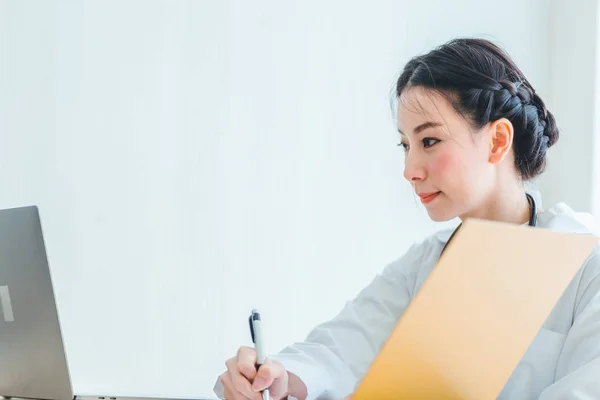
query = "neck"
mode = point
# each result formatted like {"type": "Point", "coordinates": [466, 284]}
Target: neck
{"type": "Point", "coordinates": [509, 206]}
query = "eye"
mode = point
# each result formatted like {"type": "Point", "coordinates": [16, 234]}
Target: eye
{"type": "Point", "coordinates": [403, 145]}
{"type": "Point", "coordinates": [428, 142]}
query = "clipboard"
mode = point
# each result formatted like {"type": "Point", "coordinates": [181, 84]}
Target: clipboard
{"type": "Point", "coordinates": [476, 314]}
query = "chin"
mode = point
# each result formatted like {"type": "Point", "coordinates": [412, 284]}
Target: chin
{"type": "Point", "coordinates": [440, 210]}
{"type": "Point", "coordinates": [440, 217]}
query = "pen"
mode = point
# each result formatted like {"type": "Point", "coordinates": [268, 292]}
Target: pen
{"type": "Point", "coordinates": [257, 339]}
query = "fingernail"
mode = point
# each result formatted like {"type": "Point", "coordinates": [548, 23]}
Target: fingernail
{"type": "Point", "coordinates": [258, 384]}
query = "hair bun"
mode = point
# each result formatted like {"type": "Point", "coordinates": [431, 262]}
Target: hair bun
{"type": "Point", "coordinates": [551, 132]}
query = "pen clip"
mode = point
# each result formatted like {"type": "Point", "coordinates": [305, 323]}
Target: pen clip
{"type": "Point", "coordinates": [250, 319]}
{"type": "Point", "coordinates": [254, 316]}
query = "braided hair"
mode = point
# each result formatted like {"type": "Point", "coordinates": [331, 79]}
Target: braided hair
{"type": "Point", "coordinates": [482, 83]}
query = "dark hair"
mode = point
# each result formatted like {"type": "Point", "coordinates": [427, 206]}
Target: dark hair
{"type": "Point", "coordinates": [483, 84]}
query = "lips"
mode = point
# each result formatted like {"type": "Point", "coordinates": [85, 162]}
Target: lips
{"type": "Point", "coordinates": [428, 197]}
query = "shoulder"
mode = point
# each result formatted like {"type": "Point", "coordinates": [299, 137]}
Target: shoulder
{"type": "Point", "coordinates": [432, 245]}
{"type": "Point", "coordinates": [562, 218]}
{"type": "Point", "coordinates": [419, 258]}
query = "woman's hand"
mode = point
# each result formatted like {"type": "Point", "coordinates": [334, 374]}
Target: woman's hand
{"type": "Point", "coordinates": [243, 381]}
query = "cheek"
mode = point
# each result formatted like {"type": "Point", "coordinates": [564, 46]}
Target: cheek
{"type": "Point", "coordinates": [453, 172]}
{"type": "Point", "coordinates": [445, 164]}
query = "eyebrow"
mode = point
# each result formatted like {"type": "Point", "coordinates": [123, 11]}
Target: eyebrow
{"type": "Point", "coordinates": [423, 126]}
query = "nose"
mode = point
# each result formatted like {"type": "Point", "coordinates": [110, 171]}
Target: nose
{"type": "Point", "coordinates": [414, 169]}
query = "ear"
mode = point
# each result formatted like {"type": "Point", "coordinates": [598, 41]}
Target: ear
{"type": "Point", "coordinates": [501, 139]}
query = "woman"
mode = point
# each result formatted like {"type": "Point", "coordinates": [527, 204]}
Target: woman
{"type": "Point", "coordinates": [473, 130]}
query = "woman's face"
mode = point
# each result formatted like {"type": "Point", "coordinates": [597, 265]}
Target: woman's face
{"type": "Point", "coordinates": [447, 163]}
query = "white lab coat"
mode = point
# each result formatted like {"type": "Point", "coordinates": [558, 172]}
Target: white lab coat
{"type": "Point", "coordinates": [562, 362]}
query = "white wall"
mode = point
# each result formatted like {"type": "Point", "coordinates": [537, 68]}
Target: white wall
{"type": "Point", "coordinates": [573, 172]}
{"type": "Point", "coordinates": [595, 207]}
{"type": "Point", "coordinates": [194, 160]}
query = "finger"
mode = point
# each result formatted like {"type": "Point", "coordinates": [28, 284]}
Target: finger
{"type": "Point", "coordinates": [248, 372]}
{"type": "Point", "coordinates": [227, 388]}
{"type": "Point", "coordinates": [243, 386]}
{"type": "Point", "coordinates": [266, 375]}
{"type": "Point", "coordinates": [230, 391]}
{"type": "Point", "coordinates": [246, 362]}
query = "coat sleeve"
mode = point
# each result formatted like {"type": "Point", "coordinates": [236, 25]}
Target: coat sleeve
{"type": "Point", "coordinates": [336, 354]}
{"type": "Point", "coordinates": [578, 369]}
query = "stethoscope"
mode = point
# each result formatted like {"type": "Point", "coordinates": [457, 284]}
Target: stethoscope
{"type": "Point", "coordinates": [532, 219]}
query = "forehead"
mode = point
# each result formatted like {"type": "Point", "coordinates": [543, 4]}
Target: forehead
{"type": "Point", "coordinates": [418, 105]}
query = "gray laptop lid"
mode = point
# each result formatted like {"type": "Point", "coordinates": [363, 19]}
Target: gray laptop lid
{"type": "Point", "coordinates": [32, 356]}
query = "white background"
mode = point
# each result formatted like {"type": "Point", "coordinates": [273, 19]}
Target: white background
{"type": "Point", "coordinates": [195, 160]}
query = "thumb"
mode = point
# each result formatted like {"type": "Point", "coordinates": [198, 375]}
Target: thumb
{"type": "Point", "coordinates": [271, 375]}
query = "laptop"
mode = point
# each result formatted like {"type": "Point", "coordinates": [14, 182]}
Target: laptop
{"type": "Point", "coordinates": [33, 363]}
